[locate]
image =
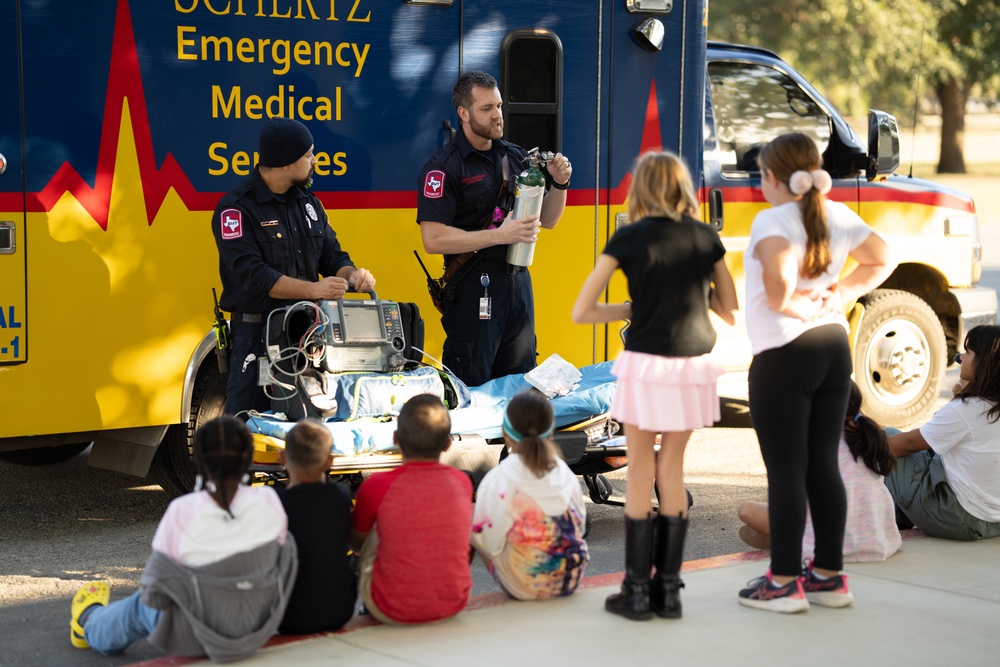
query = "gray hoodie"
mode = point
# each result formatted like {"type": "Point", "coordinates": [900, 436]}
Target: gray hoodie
{"type": "Point", "coordinates": [225, 610]}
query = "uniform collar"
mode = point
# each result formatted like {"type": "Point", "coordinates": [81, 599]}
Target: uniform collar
{"type": "Point", "coordinates": [263, 193]}
{"type": "Point", "coordinates": [466, 149]}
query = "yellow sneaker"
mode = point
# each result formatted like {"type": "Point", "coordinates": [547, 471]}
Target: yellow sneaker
{"type": "Point", "coordinates": [95, 592]}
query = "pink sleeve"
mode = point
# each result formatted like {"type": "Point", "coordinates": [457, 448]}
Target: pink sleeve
{"type": "Point", "coordinates": [170, 530]}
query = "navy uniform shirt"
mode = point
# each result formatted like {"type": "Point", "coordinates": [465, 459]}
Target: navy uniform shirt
{"type": "Point", "coordinates": [460, 186]}
{"type": "Point", "coordinates": [262, 236]}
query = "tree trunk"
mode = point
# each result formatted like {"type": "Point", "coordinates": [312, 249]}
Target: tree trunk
{"type": "Point", "coordinates": [952, 95]}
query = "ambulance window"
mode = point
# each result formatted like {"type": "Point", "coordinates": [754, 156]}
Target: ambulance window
{"type": "Point", "coordinates": [531, 87]}
{"type": "Point", "coordinates": [753, 104]}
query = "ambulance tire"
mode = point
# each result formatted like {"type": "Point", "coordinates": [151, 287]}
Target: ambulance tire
{"type": "Point", "coordinates": [173, 464]}
{"type": "Point", "coordinates": [900, 355]}
{"type": "Point", "coordinates": [43, 456]}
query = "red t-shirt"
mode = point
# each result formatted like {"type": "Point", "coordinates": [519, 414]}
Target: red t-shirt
{"type": "Point", "coordinates": [423, 511]}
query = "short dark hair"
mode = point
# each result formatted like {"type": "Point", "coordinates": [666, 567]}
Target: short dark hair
{"type": "Point", "coordinates": [423, 429]}
{"type": "Point", "coordinates": [461, 94]}
{"type": "Point", "coordinates": [308, 445]}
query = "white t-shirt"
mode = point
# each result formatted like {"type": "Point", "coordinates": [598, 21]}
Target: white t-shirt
{"type": "Point", "coordinates": [195, 531]}
{"type": "Point", "coordinates": [969, 446]}
{"type": "Point", "coordinates": [766, 328]}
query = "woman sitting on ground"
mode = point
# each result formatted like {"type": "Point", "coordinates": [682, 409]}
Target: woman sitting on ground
{"type": "Point", "coordinates": [947, 481]}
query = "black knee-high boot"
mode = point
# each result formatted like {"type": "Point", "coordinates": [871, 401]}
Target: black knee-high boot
{"type": "Point", "coordinates": [665, 593]}
{"type": "Point", "coordinates": [633, 600]}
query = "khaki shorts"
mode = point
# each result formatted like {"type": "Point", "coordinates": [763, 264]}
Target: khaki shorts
{"type": "Point", "coordinates": [921, 490]}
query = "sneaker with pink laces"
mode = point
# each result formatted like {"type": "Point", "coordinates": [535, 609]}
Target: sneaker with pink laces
{"type": "Point", "coordinates": [829, 592]}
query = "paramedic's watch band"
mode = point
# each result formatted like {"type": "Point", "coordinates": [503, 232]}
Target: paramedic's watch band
{"type": "Point", "coordinates": [560, 186]}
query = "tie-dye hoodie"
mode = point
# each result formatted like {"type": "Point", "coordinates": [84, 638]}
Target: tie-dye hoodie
{"type": "Point", "coordinates": [529, 531]}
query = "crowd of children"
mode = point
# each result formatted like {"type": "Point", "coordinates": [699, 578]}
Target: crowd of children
{"type": "Point", "coordinates": [233, 564]}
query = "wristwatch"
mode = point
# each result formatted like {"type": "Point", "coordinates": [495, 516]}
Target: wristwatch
{"type": "Point", "coordinates": [560, 186]}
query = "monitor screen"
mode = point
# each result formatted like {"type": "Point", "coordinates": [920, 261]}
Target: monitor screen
{"type": "Point", "coordinates": [362, 322]}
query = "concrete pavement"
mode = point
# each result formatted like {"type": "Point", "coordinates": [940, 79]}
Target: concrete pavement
{"type": "Point", "coordinates": [934, 603]}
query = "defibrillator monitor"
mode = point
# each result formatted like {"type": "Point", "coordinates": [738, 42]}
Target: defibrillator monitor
{"type": "Point", "coordinates": [362, 335]}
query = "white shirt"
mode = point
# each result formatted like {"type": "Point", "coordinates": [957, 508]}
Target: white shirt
{"type": "Point", "coordinates": [196, 531]}
{"type": "Point", "coordinates": [969, 446]}
{"type": "Point", "coordinates": [766, 328]}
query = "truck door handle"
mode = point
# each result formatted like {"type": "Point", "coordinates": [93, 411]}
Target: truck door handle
{"type": "Point", "coordinates": [715, 209]}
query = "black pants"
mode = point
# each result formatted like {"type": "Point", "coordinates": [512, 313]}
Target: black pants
{"type": "Point", "coordinates": [478, 350]}
{"type": "Point", "coordinates": [242, 392]}
{"type": "Point", "coordinates": [798, 401]}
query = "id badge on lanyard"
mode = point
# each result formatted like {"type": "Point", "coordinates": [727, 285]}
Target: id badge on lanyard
{"type": "Point", "coordinates": [485, 303]}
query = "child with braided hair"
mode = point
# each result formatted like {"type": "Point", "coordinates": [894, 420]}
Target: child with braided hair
{"type": "Point", "coordinates": [221, 571]}
{"type": "Point", "coordinates": [864, 458]}
{"type": "Point", "coordinates": [529, 518]}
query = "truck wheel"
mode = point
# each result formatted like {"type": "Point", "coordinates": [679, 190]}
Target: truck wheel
{"type": "Point", "coordinates": [42, 456]}
{"type": "Point", "coordinates": [173, 465]}
{"type": "Point", "coordinates": [899, 358]}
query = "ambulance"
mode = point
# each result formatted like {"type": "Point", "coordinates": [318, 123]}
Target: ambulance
{"type": "Point", "coordinates": [123, 122]}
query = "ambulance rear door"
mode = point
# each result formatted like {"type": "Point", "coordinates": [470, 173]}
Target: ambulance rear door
{"type": "Point", "coordinates": [13, 332]}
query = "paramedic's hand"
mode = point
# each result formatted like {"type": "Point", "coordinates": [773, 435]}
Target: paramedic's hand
{"type": "Point", "coordinates": [957, 387]}
{"type": "Point", "coordinates": [560, 169]}
{"type": "Point", "coordinates": [331, 288]}
{"type": "Point", "coordinates": [521, 230]}
{"type": "Point", "coordinates": [362, 280]}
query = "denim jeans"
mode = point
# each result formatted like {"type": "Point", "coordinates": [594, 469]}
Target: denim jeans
{"type": "Point", "coordinates": [110, 630]}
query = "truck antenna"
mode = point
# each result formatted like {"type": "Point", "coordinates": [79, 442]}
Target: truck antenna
{"type": "Point", "coordinates": [916, 99]}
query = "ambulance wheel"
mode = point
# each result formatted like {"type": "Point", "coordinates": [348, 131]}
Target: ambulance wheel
{"type": "Point", "coordinates": [43, 456]}
{"type": "Point", "coordinates": [899, 358]}
{"type": "Point", "coordinates": [173, 464]}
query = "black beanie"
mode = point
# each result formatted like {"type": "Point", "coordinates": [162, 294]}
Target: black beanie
{"type": "Point", "coordinates": [283, 141]}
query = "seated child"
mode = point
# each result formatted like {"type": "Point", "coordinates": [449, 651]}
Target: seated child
{"type": "Point", "coordinates": [947, 481]}
{"type": "Point", "coordinates": [193, 597]}
{"type": "Point", "coordinates": [529, 518]}
{"type": "Point", "coordinates": [864, 460]}
{"type": "Point", "coordinates": [319, 517]}
{"type": "Point", "coordinates": [411, 525]}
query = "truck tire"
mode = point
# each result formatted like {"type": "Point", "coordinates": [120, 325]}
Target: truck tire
{"type": "Point", "coordinates": [173, 464]}
{"type": "Point", "coordinates": [899, 358]}
{"type": "Point", "coordinates": [42, 456]}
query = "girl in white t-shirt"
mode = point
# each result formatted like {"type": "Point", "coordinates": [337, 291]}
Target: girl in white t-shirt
{"type": "Point", "coordinates": [864, 457]}
{"type": "Point", "coordinates": [947, 481]}
{"type": "Point", "coordinates": [801, 371]}
{"type": "Point", "coordinates": [529, 519]}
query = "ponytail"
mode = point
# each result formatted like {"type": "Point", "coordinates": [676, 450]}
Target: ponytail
{"type": "Point", "coordinates": [795, 160]}
{"type": "Point", "coordinates": [865, 438]}
{"type": "Point", "coordinates": [529, 421]}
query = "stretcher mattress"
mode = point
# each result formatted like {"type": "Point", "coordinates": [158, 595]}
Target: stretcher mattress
{"type": "Point", "coordinates": [484, 417]}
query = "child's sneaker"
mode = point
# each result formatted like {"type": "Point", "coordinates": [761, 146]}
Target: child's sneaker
{"type": "Point", "coordinates": [830, 592]}
{"type": "Point", "coordinates": [763, 593]}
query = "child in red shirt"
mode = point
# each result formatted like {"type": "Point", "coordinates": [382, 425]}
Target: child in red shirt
{"type": "Point", "coordinates": [412, 525]}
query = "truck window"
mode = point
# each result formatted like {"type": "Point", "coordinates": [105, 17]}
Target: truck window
{"type": "Point", "coordinates": [531, 87]}
{"type": "Point", "coordinates": [752, 105]}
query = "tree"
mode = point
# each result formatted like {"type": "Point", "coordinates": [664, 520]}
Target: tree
{"type": "Point", "coordinates": [968, 30]}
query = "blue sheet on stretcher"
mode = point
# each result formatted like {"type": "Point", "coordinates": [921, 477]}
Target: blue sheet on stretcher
{"type": "Point", "coordinates": [483, 417]}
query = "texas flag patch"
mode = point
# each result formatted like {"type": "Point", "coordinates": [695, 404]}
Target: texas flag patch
{"type": "Point", "coordinates": [434, 184]}
{"type": "Point", "coordinates": [232, 224]}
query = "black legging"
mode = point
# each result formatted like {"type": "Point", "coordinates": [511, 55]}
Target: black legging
{"type": "Point", "coordinates": [798, 397]}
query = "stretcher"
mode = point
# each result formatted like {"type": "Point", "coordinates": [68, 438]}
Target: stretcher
{"type": "Point", "coordinates": [587, 437]}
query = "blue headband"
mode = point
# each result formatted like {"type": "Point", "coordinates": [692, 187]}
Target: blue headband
{"type": "Point", "coordinates": [517, 437]}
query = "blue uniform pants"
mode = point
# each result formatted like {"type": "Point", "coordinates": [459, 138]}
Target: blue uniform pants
{"type": "Point", "coordinates": [478, 350]}
{"type": "Point", "coordinates": [242, 392]}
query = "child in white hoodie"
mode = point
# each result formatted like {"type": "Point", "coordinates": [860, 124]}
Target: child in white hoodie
{"type": "Point", "coordinates": [529, 519]}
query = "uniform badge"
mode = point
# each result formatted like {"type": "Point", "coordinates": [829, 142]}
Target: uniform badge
{"type": "Point", "coordinates": [434, 184]}
{"type": "Point", "coordinates": [311, 211]}
{"type": "Point", "coordinates": [232, 224]}
{"type": "Point", "coordinates": [268, 223]}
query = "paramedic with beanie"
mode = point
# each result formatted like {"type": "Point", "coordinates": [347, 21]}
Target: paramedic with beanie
{"type": "Point", "coordinates": [275, 242]}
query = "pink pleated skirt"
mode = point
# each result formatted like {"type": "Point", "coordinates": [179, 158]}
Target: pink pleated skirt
{"type": "Point", "coordinates": [660, 394]}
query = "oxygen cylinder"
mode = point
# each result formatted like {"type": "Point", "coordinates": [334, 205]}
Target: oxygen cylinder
{"type": "Point", "coordinates": [528, 192]}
